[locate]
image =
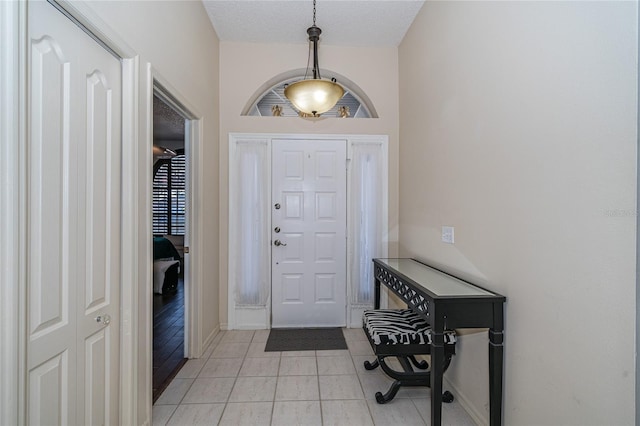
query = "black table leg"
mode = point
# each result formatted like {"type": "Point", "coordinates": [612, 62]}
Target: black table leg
{"type": "Point", "coordinates": [496, 349]}
{"type": "Point", "coordinates": [437, 371]}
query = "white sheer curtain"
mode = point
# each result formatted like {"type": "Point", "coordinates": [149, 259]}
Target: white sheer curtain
{"type": "Point", "coordinates": [366, 208]}
{"type": "Point", "coordinates": [251, 255]}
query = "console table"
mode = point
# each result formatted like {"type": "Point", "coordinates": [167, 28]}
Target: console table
{"type": "Point", "coordinates": [447, 303]}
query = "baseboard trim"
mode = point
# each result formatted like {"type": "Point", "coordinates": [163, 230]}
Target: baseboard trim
{"type": "Point", "coordinates": [209, 340]}
{"type": "Point", "coordinates": [252, 327]}
{"type": "Point", "coordinates": [470, 408]}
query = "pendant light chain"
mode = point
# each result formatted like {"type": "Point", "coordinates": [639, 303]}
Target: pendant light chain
{"type": "Point", "coordinates": [314, 13]}
{"type": "Point", "coordinates": [316, 37]}
{"type": "Point", "coordinates": [315, 96]}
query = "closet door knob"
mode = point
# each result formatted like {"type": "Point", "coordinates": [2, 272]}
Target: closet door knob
{"type": "Point", "coordinates": [103, 319]}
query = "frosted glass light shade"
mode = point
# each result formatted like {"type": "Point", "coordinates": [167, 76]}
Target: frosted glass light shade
{"type": "Point", "coordinates": [314, 96]}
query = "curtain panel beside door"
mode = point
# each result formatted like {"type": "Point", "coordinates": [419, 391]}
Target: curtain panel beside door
{"type": "Point", "coordinates": [367, 197]}
{"type": "Point", "coordinates": [251, 254]}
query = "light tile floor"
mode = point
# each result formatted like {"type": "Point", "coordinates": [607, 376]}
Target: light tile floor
{"type": "Point", "coordinates": [237, 383]}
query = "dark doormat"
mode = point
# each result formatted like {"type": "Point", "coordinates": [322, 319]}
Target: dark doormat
{"type": "Point", "coordinates": [305, 339]}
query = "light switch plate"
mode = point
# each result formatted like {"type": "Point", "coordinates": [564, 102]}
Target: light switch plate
{"type": "Point", "coordinates": [447, 234]}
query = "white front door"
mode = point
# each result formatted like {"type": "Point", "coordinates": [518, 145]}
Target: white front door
{"type": "Point", "coordinates": [309, 247]}
{"type": "Point", "coordinates": [73, 212]}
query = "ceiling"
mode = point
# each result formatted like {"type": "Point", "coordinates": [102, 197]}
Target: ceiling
{"type": "Point", "coordinates": [168, 126]}
{"type": "Point", "coordinates": [343, 23]}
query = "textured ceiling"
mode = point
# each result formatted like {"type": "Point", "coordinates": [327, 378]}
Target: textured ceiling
{"type": "Point", "coordinates": [168, 126]}
{"type": "Point", "coordinates": [344, 23]}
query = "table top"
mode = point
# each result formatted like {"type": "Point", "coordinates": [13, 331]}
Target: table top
{"type": "Point", "coordinates": [433, 281]}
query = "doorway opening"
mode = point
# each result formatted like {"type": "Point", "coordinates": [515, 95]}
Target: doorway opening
{"type": "Point", "coordinates": [169, 222]}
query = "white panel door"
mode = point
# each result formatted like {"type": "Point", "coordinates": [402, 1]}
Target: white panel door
{"type": "Point", "coordinates": [309, 233]}
{"type": "Point", "coordinates": [73, 224]}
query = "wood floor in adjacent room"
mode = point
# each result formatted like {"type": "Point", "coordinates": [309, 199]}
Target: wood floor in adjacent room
{"type": "Point", "coordinates": [168, 338]}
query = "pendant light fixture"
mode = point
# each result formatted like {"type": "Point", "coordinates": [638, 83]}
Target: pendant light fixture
{"type": "Point", "coordinates": [314, 96]}
{"type": "Point", "coordinates": [163, 153]}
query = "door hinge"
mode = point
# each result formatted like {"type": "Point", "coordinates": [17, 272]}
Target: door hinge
{"type": "Point", "coordinates": [186, 250]}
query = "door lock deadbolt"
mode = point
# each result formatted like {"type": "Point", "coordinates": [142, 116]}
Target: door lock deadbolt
{"type": "Point", "coordinates": [277, 206]}
{"type": "Point", "coordinates": [277, 229]}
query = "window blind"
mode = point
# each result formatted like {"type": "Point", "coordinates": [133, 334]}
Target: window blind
{"type": "Point", "coordinates": [170, 197]}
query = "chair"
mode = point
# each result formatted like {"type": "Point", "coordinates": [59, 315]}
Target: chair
{"type": "Point", "coordinates": [403, 334]}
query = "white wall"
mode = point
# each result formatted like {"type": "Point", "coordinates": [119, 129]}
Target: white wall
{"type": "Point", "coordinates": [245, 67]}
{"type": "Point", "coordinates": [518, 128]}
{"type": "Point", "coordinates": [177, 39]}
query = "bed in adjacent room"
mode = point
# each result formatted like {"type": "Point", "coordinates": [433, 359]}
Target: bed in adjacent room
{"type": "Point", "coordinates": [166, 266]}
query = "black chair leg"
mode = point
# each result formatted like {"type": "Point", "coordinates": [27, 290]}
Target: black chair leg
{"type": "Point", "coordinates": [423, 365]}
{"type": "Point", "coordinates": [371, 365]}
{"type": "Point", "coordinates": [447, 397]}
{"type": "Point", "coordinates": [391, 393]}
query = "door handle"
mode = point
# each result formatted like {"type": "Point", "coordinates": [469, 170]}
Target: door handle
{"type": "Point", "coordinates": [278, 243]}
{"type": "Point", "coordinates": [103, 319]}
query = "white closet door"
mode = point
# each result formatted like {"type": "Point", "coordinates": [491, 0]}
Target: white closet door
{"type": "Point", "coordinates": [73, 224]}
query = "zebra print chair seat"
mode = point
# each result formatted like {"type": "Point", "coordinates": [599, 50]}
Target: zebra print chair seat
{"type": "Point", "coordinates": [400, 327]}
{"type": "Point", "coordinates": [403, 334]}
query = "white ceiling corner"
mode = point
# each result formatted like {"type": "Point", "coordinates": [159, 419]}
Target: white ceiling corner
{"type": "Point", "coordinates": [343, 22]}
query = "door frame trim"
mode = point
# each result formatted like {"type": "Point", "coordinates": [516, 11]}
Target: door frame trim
{"type": "Point", "coordinates": [193, 147]}
{"type": "Point", "coordinates": [13, 20]}
{"type": "Point", "coordinates": [259, 317]}
{"type": "Point", "coordinates": [152, 82]}
{"type": "Point", "coordinates": [14, 126]}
